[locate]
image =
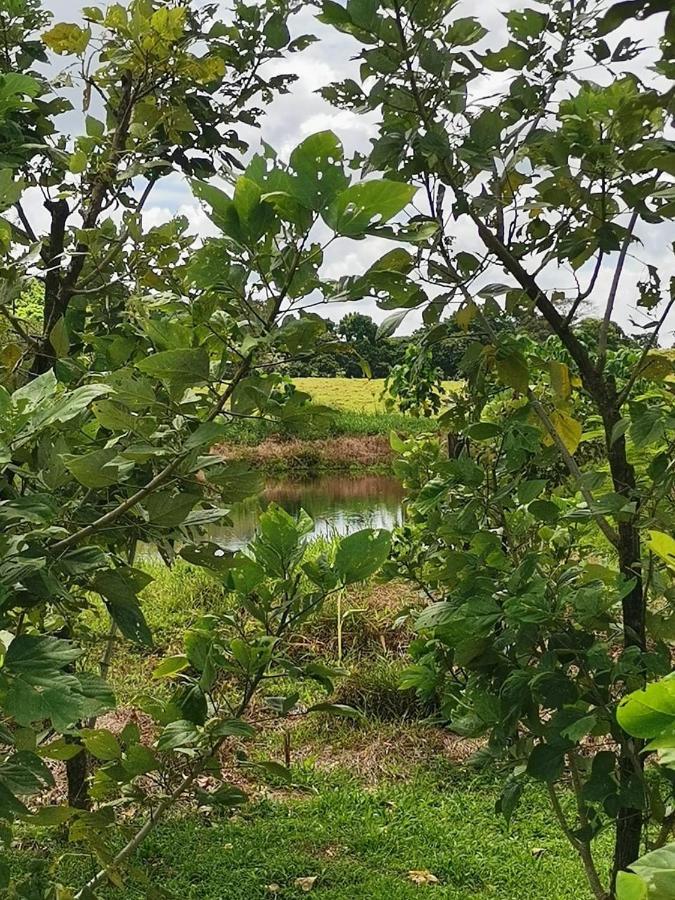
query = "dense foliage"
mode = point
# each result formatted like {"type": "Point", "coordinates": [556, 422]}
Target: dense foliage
{"type": "Point", "coordinates": [538, 537]}
{"type": "Point", "coordinates": [552, 174]}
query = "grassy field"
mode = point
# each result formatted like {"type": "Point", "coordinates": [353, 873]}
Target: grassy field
{"type": "Point", "coordinates": [362, 395]}
{"type": "Point", "coordinates": [355, 430]}
{"type": "Point", "coordinates": [431, 832]}
{"type": "Point", "coordinates": [384, 809]}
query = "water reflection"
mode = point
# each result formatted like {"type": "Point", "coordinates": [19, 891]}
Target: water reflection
{"type": "Point", "coordinates": [338, 504]}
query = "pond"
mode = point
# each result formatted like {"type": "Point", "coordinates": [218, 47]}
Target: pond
{"type": "Point", "coordinates": [338, 504]}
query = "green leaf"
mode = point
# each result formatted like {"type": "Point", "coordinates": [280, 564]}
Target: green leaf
{"type": "Point", "coordinates": [205, 435]}
{"type": "Point", "coordinates": [78, 162]}
{"type": "Point", "coordinates": [25, 773]}
{"type": "Point", "coordinates": [178, 734]}
{"type": "Point", "coordinates": [181, 367]}
{"type": "Point", "coordinates": [391, 323]}
{"type": "Point", "coordinates": [546, 763]}
{"type": "Point", "coordinates": [94, 470]}
{"type": "Point", "coordinates": [630, 886]}
{"type": "Point", "coordinates": [361, 554]}
{"type": "Point", "coordinates": [61, 750]}
{"type": "Point", "coordinates": [101, 743]}
{"type": "Point", "coordinates": [50, 816]}
{"type": "Point", "coordinates": [649, 713]}
{"type": "Point", "coordinates": [129, 618]}
{"type": "Point", "coordinates": [317, 164]}
{"type": "Point", "coordinates": [232, 728]}
{"type": "Point", "coordinates": [171, 666]}
{"type": "Point", "coordinates": [367, 205]}
{"type": "Point", "coordinates": [169, 508]}
{"type": "Point", "coordinates": [337, 709]}
{"type": "Point", "coordinates": [39, 655]}
{"type": "Point", "coordinates": [485, 131]}
{"type": "Point", "coordinates": [657, 869]}
{"type": "Point", "coordinates": [513, 371]}
{"type": "Point", "coordinates": [663, 545]}
{"type": "Point", "coordinates": [119, 588]}
{"type": "Point", "coordinates": [276, 31]}
{"type": "Point", "coordinates": [10, 805]}
{"type": "Point", "coordinates": [139, 760]}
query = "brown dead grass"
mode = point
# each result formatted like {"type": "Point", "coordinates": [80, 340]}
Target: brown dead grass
{"type": "Point", "coordinates": [385, 752]}
{"type": "Point", "coordinates": [365, 451]}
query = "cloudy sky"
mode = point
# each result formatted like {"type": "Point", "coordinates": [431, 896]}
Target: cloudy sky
{"type": "Point", "coordinates": [302, 112]}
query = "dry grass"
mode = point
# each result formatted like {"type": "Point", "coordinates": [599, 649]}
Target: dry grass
{"type": "Point", "coordinates": [339, 452]}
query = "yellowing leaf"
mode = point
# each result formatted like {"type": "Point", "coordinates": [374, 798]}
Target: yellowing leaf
{"type": "Point", "coordinates": [663, 545]}
{"type": "Point", "coordinates": [58, 338]}
{"type": "Point", "coordinates": [560, 381]}
{"type": "Point", "coordinates": [208, 69]}
{"type": "Point", "coordinates": [658, 365]}
{"type": "Point", "coordinates": [512, 370]}
{"type": "Point", "coordinates": [78, 162]}
{"type": "Point", "coordinates": [169, 23]}
{"type": "Point", "coordinates": [67, 38]}
{"type": "Point", "coordinates": [422, 876]}
{"type": "Point", "coordinates": [568, 429]}
{"type": "Point", "coordinates": [466, 314]}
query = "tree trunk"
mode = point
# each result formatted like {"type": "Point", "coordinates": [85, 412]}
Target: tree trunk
{"type": "Point", "coordinates": [77, 770]}
{"type": "Point", "coordinates": [629, 820]}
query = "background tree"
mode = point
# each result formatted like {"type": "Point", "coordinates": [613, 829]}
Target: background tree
{"type": "Point", "coordinates": [551, 175]}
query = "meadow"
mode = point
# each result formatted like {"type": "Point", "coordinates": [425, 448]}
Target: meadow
{"type": "Point", "coordinates": [347, 428]}
{"type": "Point", "coordinates": [388, 807]}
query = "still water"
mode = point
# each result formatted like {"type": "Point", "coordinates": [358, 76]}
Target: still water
{"type": "Point", "coordinates": [338, 504]}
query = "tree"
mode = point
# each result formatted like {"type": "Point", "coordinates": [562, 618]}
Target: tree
{"type": "Point", "coordinates": [551, 174]}
{"type": "Point", "coordinates": [152, 340]}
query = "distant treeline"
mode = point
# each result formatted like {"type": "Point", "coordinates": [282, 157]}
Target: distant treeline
{"type": "Point", "coordinates": [363, 345]}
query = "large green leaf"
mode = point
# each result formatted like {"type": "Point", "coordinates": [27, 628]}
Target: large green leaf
{"type": "Point", "coordinates": [120, 588]}
{"type": "Point", "coordinates": [41, 655]}
{"type": "Point", "coordinates": [169, 508]}
{"type": "Point", "coordinates": [361, 554]}
{"type": "Point", "coordinates": [367, 205]}
{"type": "Point", "coordinates": [318, 166]}
{"type": "Point", "coordinates": [663, 545]}
{"type": "Point", "coordinates": [650, 713]}
{"type": "Point", "coordinates": [181, 367]}
{"type": "Point", "coordinates": [178, 734]}
{"type": "Point", "coordinates": [95, 469]}
{"type": "Point", "coordinates": [630, 886]}
{"type": "Point", "coordinates": [657, 870]}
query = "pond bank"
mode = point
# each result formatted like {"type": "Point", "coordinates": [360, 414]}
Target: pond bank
{"type": "Point", "coordinates": [343, 453]}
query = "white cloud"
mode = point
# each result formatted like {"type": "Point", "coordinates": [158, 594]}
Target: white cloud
{"type": "Point", "coordinates": [292, 117]}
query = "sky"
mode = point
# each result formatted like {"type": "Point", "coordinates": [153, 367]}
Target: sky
{"type": "Point", "coordinates": [292, 117]}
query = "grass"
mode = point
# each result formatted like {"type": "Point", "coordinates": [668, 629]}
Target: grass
{"type": "Point", "coordinates": [358, 843]}
{"type": "Point", "coordinates": [372, 801]}
{"type": "Point", "coordinates": [362, 395]}
{"type": "Point", "coordinates": [356, 409]}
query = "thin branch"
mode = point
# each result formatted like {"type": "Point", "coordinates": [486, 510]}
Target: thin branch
{"type": "Point", "coordinates": [609, 308]}
{"type": "Point", "coordinates": [582, 295]}
{"type": "Point", "coordinates": [25, 222]}
{"type": "Point", "coordinates": [625, 393]}
{"type": "Point", "coordinates": [574, 469]}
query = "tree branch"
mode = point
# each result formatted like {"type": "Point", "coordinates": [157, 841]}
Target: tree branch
{"type": "Point", "coordinates": [609, 308]}
{"type": "Point", "coordinates": [611, 535]}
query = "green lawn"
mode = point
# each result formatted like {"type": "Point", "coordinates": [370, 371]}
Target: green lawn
{"type": "Point", "coordinates": [362, 841]}
{"type": "Point", "coordinates": [372, 801]}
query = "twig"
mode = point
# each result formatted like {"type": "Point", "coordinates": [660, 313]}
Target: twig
{"type": "Point", "coordinates": [574, 469]}
{"type": "Point", "coordinates": [609, 308]}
